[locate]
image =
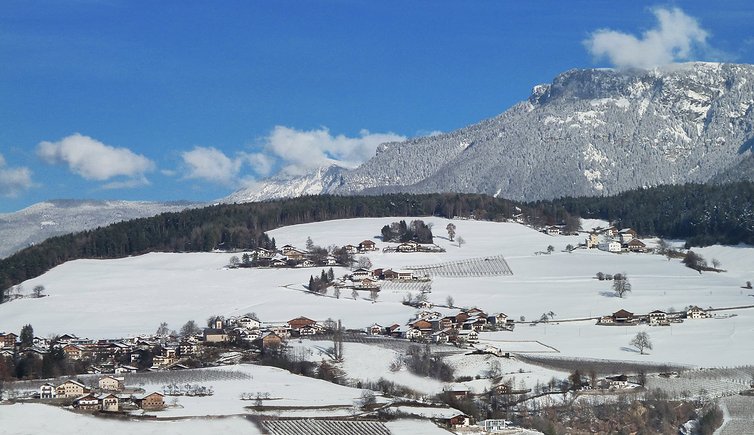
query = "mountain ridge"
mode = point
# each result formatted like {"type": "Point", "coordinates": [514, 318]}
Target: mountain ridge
{"type": "Point", "coordinates": [588, 132]}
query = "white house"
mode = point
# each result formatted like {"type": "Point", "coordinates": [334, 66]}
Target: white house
{"type": "Point", "coordinates": [247, 322]}
{"type": "Point", "coordinates": [658, 318]}
{"type": "Point", "coordinates": [696, 313]}
{"type": "Point", "coordinates": [47, 391]}
{"type": "Point", "coordinates": [610, 246]}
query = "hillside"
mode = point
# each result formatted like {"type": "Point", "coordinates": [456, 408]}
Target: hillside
{"type": "Point", "coordinates": [702, 214]}
{"type": "Point", "coordinates": [52, 218]}
{"type": "Point", "coordinates": [589, 132]}
{"type": "Point", "coordinates": [180, 287]}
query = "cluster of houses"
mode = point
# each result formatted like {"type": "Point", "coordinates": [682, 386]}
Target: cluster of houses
{"type": "Point", "coordinates": [609, 239]}
{"type": "Point", "coordinates": [434, 327]}
{"type": "Point", "coordinates": [291, 256]}
{"type": "Point", "coordinates": [615, 240]}
{"type": "Point", "coordinates": [365, 279]}
{"type": "Point", "coordinates": [654, 318]}
{"type": "Point", "coordinates": [412, 246]}
{"type": "Point", "coordinates": [263, 336]}
{"type": "Point", "coordinates": [108, 396]}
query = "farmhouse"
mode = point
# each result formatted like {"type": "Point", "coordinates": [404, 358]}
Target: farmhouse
{"type": "Point", "coordinates": [389, 274]}
{"type": "Point", "coordinates": [109, 403]}
{"type": "Point", "coordinates": [8, 340]}
{"type": "Point", "coordinates": [696, 313]}
{"type": "Point", "coordinates": [87, 402]}
{"type": "Point", "coordinates": [617, 382]}
{"type": "Point", "coordinates": [610, 246]}
{"type": "Point", "coordinates": [623, 316]}
{"type": "Point", "coordinates": [111, 383]}
{"type": "Point", "coordinates": [636, 245]}
{"type": "Point", "coordinates": [407, 247]}
{"type": "Point", "coordinates": [658, 318]}
{"type": "Point", "coordinates": [552, 230]}
{"type": "Point", "coordinates": [367, 245]}
{"type": "Point", "coordinates": [468, 335]}
{"type": "Point", "coordinates": [441, 337]}
{"type": "Point", "coordinates": [366, 284]}
{"type": "Point", "coordinates": [620, 317]}
{"type": "Point", "coordinates": [73, 352]}
{"type": "Point", "coordinates": [247, 322]}
{"type": "Point", "coordinates": [458, 391]}
{"type": "Point", "coordinates": [47, 391]}
{"type": "Point", "coordinates": [360, 273]}
{"type": "Point", "coordinates": [405, 275]}
{"type": "Point", "coordinates": [626, 235]}
{"type": "Point", "coordinates": [153, 401]}
{"type": "Point", "coordinates": [71, 389]}
{"type": "Point", "coordinates": [270, 340]}
{"type": "Point", "coordinates": [593, 240]}
{"type": "Point", "coordinates": [376, 329]}
{"type": "Point", "coordinates": [301, 322]}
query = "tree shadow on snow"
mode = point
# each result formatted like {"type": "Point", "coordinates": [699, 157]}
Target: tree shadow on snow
{"type": "Point", "coordinates": [628, 349]}
{"type": "Point", "coordinates": [608, 294]}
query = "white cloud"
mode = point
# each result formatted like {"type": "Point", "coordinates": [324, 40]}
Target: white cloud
{"type": "Point", "coordinates": [285, 150]}
{"type": "Point", "coordinates": [261, 163]}
{"type": "Point", "coordinates": [211, 164]}
{"type": "Point", "coordinates": [94, 160]}
{"type": "Point", "coordinates": [300, 151]}
{"type": "Point", "coordinates": [673, 39]}
{"type": "Point", "coordinates": [13, 180]}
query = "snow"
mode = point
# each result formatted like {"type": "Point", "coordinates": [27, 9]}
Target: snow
{"type": "Point", "coordinates": [370, 363]}
{"type": "Point", "coordinates": [149, 289]}
{"type": "Point", "coordinates": [32, 418]}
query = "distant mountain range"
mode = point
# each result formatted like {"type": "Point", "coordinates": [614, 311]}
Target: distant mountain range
{"type": "Point", "coordinates": [51, 218]}
{"type": "Point", "coordinates": [589, 132]}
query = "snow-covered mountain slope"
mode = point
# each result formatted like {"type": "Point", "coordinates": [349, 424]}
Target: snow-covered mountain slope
{"type": "Point", "coordinates": [324, 179]}
{"type": "Point", "coordinates": [590, 131]}
{"type": "Point", "coordinates": [51, 218]}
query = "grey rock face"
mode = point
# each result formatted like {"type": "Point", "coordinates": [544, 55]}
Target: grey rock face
{"type": "Point", "coordinates": [589, 132]}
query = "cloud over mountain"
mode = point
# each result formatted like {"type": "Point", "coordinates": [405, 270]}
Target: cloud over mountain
{"type": "Point", "coordinates": [673, 39]}
{"type": "Point", "coordinates": [94, 160]}
{"type": "Point", "coordinates": [13, 180]}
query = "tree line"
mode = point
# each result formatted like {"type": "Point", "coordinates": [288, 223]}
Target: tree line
{"type": "Point", "coordinates": [701, 214]}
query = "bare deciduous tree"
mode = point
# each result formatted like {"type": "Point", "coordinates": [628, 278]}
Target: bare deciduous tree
{"type": "Point", "coordinates": [641, 341]}
{"type": "Point", "coordinates": [38, 290]}
{"type": "Point", "coordinates": [449, 301]}
{"type": "Point", "coordinates": [621, 287]}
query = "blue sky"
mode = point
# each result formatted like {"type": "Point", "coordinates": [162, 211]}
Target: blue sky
{"type": "Point", "coordinates": [191, 100]}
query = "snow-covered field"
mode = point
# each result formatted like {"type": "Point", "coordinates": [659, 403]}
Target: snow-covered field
{"type": "Point", "coordinates": [112, 298]}
{"type": "Point", "coordinates": [130, 296]}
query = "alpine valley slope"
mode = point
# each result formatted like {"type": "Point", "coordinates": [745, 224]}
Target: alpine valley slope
{"type": "Point", "coordinates": [52, 218]}
{"type": "Point", "coordinates": [589, 132]}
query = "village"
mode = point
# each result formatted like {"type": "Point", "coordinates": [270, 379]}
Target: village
{"type": "Point", "coordinates": [98, 370]}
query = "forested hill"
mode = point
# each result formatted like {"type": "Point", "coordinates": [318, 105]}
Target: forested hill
{"type": "Point", "coordinates": [698, 213]}
{"type": "Point", "coordinates": [235, 226]}
{"type": "Point", "coordinates": [701, 214]}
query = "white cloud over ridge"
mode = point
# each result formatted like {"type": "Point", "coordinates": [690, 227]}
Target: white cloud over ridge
{"type": "Point", "coordinates": [13, 180]}
{"type": "Point", "coordinates": [211, 164]}
{"type": "Point", "coordinates": [94, 160]}
{"type": "Point", "coordinates": [286, 151]}
{"type": "Point", "coordinates": [673, 39]}
{"type": "Point", "coordinates": [300, 151]}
